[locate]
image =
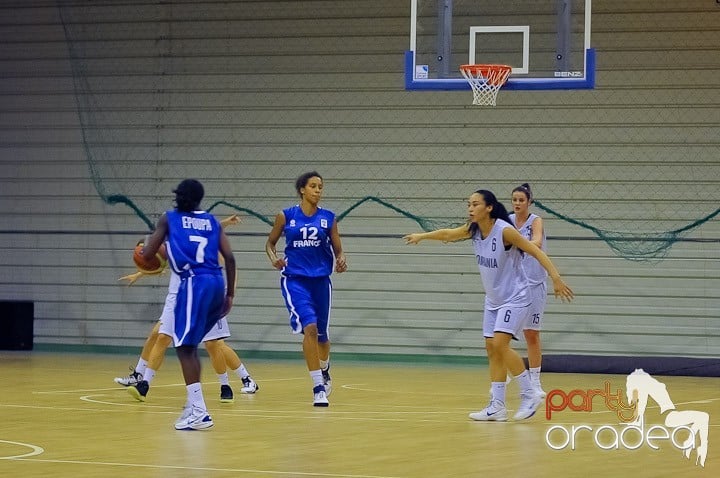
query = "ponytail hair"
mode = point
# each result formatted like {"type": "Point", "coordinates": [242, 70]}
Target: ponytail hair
{"type": "Point", "coordinates": [498, 210]}
{"type": "Point", "coordinates": [525, 189]}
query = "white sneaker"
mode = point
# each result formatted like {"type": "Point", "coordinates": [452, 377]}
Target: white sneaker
{"type": "Point", "coordinates": [320, 397]}
{"type": "Point", "coordinates": [249, 385]}
{"type": "Point", "coordinates": [529, 403]}
{"type": "Point", "coordinates": [539, 390]}
{"type": "Point", "coordinates": [494, 412]}
{"type": "Point", "coordinates": [187, 410]}
{"type": "Point", "coordinates": [197, 419]}
{"type": "Point", "coordinates": [131, 379]}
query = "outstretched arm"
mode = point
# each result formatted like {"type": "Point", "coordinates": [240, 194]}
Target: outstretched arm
{"type": "Point", "coordinates": [230, 221]}
{"type": "Point", "coordinates": [445, 235]}
{"type": "Point", "coordinates": [511, 236]}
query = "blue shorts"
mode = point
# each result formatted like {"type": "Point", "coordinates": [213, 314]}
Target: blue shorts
{"type": "Point", "coordinates": [308, 299]}
{"type": "Point", "coordinates": [199, 306]}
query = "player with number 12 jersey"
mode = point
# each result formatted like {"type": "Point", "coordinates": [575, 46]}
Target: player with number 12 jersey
{"type": "Point", "coordinates": [308, 251]}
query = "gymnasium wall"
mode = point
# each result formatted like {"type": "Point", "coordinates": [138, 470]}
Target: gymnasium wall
{"type": "Point", "coordinates": [247, 95]}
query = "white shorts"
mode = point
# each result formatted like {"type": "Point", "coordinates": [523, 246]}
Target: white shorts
{"type": "Point", "coordinates": [510, 320]}
{"type": "Point", "coordinates": [220, 330]}
{"type": "Point", "coordinates": [538, 298]}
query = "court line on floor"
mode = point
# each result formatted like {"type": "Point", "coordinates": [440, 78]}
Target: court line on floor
{"type": "Point", "coordinates": [313, 414]}
{"type": "Point", "coordinates": [119, 387]}
{"type": "Point", "coordinates": [36, 450]}
{"type": "Point", "coordinates": [202, 468]}
{"type": "Point", "coordinates": [358, 387]}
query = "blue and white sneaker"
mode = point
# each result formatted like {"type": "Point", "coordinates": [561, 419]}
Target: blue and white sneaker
{"type": "Point", "coordinates": [494, 412]}
{"type": "Point", "coordinates": [327, 381]}
{"type": "Point", "coordinates": [197, 419]}
{"type": "Point", "coordinates": [529, 403]}
{"type": "Point", "coordinates": [249, 385]}
{"type": "Point", "coordinates": [131, 379]}
{"type": "Point", "coordinates": [320, 397]}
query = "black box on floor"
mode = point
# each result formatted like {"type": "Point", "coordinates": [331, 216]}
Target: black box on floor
{"type": "Point", "coordinates": [16, 324]}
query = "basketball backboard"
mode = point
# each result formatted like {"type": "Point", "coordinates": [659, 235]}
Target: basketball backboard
{"type": "Point", "coordinates": [547, 43]}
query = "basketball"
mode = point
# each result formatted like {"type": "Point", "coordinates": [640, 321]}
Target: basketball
{"type": "Point", "coordinates": [154, 265]}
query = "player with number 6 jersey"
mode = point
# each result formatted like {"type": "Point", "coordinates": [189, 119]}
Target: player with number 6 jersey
{"type": "Point", "coordinates": [498, 249]}
{"type": "Point", "coordinates": [312, 244]}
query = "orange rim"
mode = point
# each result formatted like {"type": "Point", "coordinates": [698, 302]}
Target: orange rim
{"type": "Point", "coordinates": [495, 74]}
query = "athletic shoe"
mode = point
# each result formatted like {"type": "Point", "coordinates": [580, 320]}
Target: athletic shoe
{"type": "Point", "coordinates": [187, 410]}
{"type": "Point", "coordinates": [226, 394]}
{"type": "Point", "coordinates": [197, 419]}
{"type": "Point", "coordinates": [494, 412]}
{"type": "Point", "coordinates": [529, 403]}
{"type": "Point", "coordinates": [320, 397]}
{"type": "Point", "coordinates": [139, 391]}
{"type": "Point", "coordinates": [539, 390]}
{"type": "Point", "coordinates": [327, 381]}
{"type": "Point", "coordinates": [249, 385]}
{"type": "Point", "coordinates": [131, 379]}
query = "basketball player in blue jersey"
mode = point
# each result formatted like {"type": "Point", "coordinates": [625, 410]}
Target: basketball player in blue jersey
{"type": "Point", "coordinates": [222, 357]}
{"type": "Point", "coordinates": [194, 240]}
{"type": "Point", "coordinates": [312, 245]}
{"type": "Point", "coordinates": [498, 247]}
{"type": "Point", "coordinates": [531, 227]}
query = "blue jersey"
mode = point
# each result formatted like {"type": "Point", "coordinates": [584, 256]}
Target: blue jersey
{"type": "Point", "coordinates": [193, 242]}
{"type": "Point", "coordinates": [308, 250]}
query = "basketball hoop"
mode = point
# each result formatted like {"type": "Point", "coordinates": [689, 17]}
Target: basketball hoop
{"type": "Point", "coordinates": [485, 81]}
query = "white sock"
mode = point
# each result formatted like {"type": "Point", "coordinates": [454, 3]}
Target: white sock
{"type": "Point", "coordinates": [524, 381]}
{"type": "Point", "coordinates": [535, 375]}
{"type": "Point", "coordinates": [317, 377]}
{"type": "Point", "coordinates": [241, 371]}
{"type": "Point", "coordinates": [195, 396]}
{"type": "Point", "coordinates": [223, 378]}
{"type": "Point", "coordinates": [141, 366]}
{"type": "Point", "coordinates": [149, 375]}
{"type": "Point", "coordinates": [498, 392]}
{"type": "Point", "coordinates": [324, 364]}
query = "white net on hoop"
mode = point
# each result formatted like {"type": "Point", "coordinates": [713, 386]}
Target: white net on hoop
{"type": "Point", "coordinates": [485, 81]}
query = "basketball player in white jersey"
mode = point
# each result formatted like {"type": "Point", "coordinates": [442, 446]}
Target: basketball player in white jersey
{"type": "Point", "coordinates": [497, 246]}
{"type": "Point", "coordinates": [531, 227]}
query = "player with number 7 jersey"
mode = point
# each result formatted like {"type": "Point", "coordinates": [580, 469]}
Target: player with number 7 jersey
{"type": "Point", "coordinates": [194, 239]}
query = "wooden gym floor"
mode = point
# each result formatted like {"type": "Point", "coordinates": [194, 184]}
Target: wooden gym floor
{"type": "Point", "coordinates": [62, 415]}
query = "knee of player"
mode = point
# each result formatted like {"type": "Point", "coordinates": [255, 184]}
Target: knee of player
{"type": "Point", "coordinates": [163, 340]}
{"type": "Point", "coordinates": [532, 337]}
{"type": "Point", "coordinates": [213, 346]}
{"type": "Point", "coordinates": [311, 330]}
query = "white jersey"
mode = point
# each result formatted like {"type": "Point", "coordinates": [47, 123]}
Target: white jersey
{"type": "Point", "coordinates": [221, 330]}
{"type": "Point", "coordinates": [174, 285]}
{"type": "Point", "coordinates": [536, 273]}
{"type": "Point", "coordinates": [502, 274]}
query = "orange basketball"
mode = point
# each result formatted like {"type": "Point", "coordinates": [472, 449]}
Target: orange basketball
{"type": "Point", "coordinates": [152, 266]}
